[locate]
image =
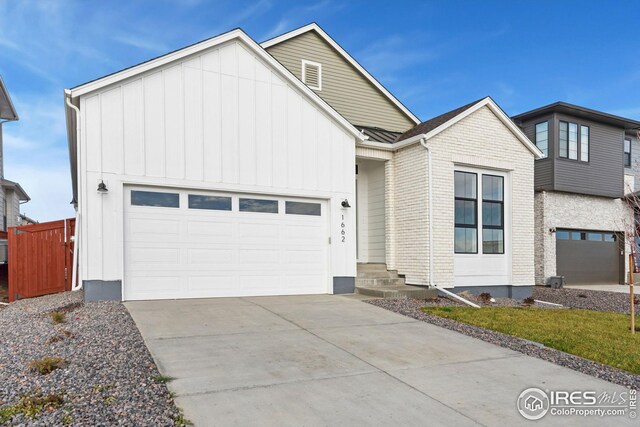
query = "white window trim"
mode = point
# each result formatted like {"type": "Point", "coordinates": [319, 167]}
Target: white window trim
{"type": "Point", "coordinates": [313, 64]}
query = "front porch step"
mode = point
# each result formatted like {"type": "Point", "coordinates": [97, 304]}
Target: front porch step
{"type": "Point", "coordinates": [378, 274]}
{"type": "Point", "coordinates": [376, 282]}
{"type": "Point", "coordinates": [397, 292]}
{"type": "Point", "coordinates": [362, 267]}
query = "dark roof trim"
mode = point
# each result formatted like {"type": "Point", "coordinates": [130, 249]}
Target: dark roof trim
{"type": "Point", "coordinates": [583, 112]}
{"type": "Point", "coordinates": [7, 110]}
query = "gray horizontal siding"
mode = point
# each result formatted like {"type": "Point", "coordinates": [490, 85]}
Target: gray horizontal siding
{"type": "Point", "coordinates": [343, 87]}
{"type": "Point", "coordinates": [603, 174]}
{"type": "Point", "coordinates": [543, 178]}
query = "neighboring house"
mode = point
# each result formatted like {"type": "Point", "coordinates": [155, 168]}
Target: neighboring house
{"type": "Point", "coordinates": [229, 168]}
{"type": "Point", "coordinates": [581, 216]}
{"type": "Point", "coordinates": [11, 194]}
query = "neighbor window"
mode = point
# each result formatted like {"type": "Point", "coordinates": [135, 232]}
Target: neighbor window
{"type": "Point", "coordinates": [492, 214]}
{"type": "Point", "coordinates": [627, 153]}
{"type": "Point", "coordinates": [584, 143]}
{"type": "Point", "coordinates": [542, 137]}
{"type": "Point", "coordinates": [155, 198]}
{"type": "Point", "coordinates": [258, 205]}
{"type": "Point", "coordinates": [573, 144]}
{"type": "Point", "coordinates": [466, 217]}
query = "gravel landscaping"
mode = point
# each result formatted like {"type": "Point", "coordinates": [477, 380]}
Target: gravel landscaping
{"type": "Point", "coordinates": [411, 308]}
{"type": "Point", "coordinates": [106, 374]}
{"type": "Point", "coordinates": [586, 299]}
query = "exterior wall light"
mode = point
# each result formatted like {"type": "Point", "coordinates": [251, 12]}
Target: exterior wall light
{"type": "Point", "coordinates": [102, 188]}
{"type": "Point", "coordinates": [552, 230]}
{"type": "Point", "coordinates": [345, 204]}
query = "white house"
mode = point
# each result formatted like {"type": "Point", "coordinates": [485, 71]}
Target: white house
{"type": "Point", "coordinates": [229, 168]}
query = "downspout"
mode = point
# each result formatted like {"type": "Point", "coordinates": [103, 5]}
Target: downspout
{"type": "Point", "coordinates": [76, 235]}
{"type": "Point", "coordinates": [423, 142]}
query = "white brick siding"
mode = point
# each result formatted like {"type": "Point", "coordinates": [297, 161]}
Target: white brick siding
{"type": "Point", "coordinates": [556, 210]}
{"type": "Point", "coordinates": [480, 140]}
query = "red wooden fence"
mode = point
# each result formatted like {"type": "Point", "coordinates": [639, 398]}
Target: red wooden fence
{"type": "Point", "coordinates": [40, 258]}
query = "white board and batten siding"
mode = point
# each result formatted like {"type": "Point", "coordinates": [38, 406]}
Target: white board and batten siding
{"type": "Point", "coordinates": [221, 120]}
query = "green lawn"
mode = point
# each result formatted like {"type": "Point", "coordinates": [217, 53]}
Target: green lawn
{"type": "Point", "coordinates": [600, 336]}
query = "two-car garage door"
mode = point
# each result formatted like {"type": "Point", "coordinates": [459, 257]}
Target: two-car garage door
{"type": "Point", "coordinates": [194, 244]}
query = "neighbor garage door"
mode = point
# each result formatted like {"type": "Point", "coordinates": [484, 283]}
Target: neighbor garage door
{"type": "Point", "coordinates": [192, 244]}
{"type": "Point", "coordinates": [588, 257]}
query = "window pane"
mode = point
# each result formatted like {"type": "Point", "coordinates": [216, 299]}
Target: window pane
{"type": "Point", "coordinates": [492, 187]}
{"type": "Point", "coordinates": [563, 139]}
{"type": "Point", "coordinates": [302, 208]}
{"type": "Point", "coordinates": [609, 237]}
{"type": "Point", "coordinates": [596, 237]}
{"type": "Point", "coordinates": [465, 240]}
{"type": "Point", "coordinates": [542, 137]}
{"type": "Point", "coordinates": [465, 185]}
{"type": "Point", "coordinates": [214, 203]}
{"type": "Point", "coordinates": [573, 141]}
{"type": "Point", "coordinates": [154, 198]}
{"type": "Point", "coordinates": [584, 143]}
{"type": "Point", "coordinates": [576, 235]}
{"type": "Point", "coordinates": [492, 214]}
{"type": "Point", "coordinates": [627, 152]}
{"type": "Point", "coordinates": [492, 241]}
{"type": "Point", "coordinates": [627, 145]}
{"type": "Point", "coordinates": [465, 212]}
{"type": "Point", "coordinates": [258, 205]}
{"type": "Point", "coordinates": [562, 235]}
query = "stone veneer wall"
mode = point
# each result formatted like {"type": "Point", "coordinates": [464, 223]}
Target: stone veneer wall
{"type": "Point", "coordinates": [573, 211]}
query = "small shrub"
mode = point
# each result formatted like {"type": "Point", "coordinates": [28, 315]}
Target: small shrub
{"type": "Point", "coordinates": [636, 300]}
{"type": "Point", "coordinates": [48, 364]}
{"type": "Point", "coordinates": [31, 405]}
{"type": "Point", "coordinates": [58, 317]}
{"type": "Point", "coordinates": [162, 379]}
{"type": "Point", "coordinates": [528, 301]}
{"type": "Point", "coordinates": [485, 297]}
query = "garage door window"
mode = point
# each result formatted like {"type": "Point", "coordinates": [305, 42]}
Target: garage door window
{"type": "Point", "coordinates": [302, 208]}
{"type": "Point", "coordinates": [214, 203]}
{"type": "Point", "coordinates": [154, 198]}
{"type": "Point", "coordinates": [258, 205]}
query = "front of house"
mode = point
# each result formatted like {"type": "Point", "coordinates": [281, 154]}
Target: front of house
{"type": "Point", "coordinates": [230, 168]}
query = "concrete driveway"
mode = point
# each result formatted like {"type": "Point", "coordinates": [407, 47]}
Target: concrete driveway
{"type": "Point", "coordinates": [334, 360]}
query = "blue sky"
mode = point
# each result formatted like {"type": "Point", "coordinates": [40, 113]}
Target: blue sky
{"type": "Point", "coordinates": [433, 55]}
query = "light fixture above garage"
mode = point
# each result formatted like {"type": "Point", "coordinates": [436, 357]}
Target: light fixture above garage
{"type": "Point", "coordinates": [345, 204]}
{"type": "Point", "coordinates": [102, 188]}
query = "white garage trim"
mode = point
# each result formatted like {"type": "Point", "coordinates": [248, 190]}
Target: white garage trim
{"type": "Point", "coordinates": [189, 252]}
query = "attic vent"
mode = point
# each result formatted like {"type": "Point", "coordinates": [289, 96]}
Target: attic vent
{"type": "Point", "coordinates": [312, 74]}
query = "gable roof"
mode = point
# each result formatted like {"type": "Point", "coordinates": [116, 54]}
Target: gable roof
{"type": "Point", "coordinates": [583, 112]}
{"type": "Point", "coordinates": [315, 27]}
{"type": "Point", "coordinates": [433, 127]}
{"type": "Point", "coordinates": [7, 110]}
{"type": "Point", "coordinates": [236, 34]}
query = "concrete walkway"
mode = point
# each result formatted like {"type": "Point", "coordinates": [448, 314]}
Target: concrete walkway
{"type": "Point", "coordinates": [333, 360]}
{"type": "Point", "coordinates": [623, 289]}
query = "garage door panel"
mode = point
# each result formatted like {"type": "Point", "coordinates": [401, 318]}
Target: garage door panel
{"type": "Point", "coordinates": [194, 253]}
{"type": "Point", "coordinates": [209, 256]}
